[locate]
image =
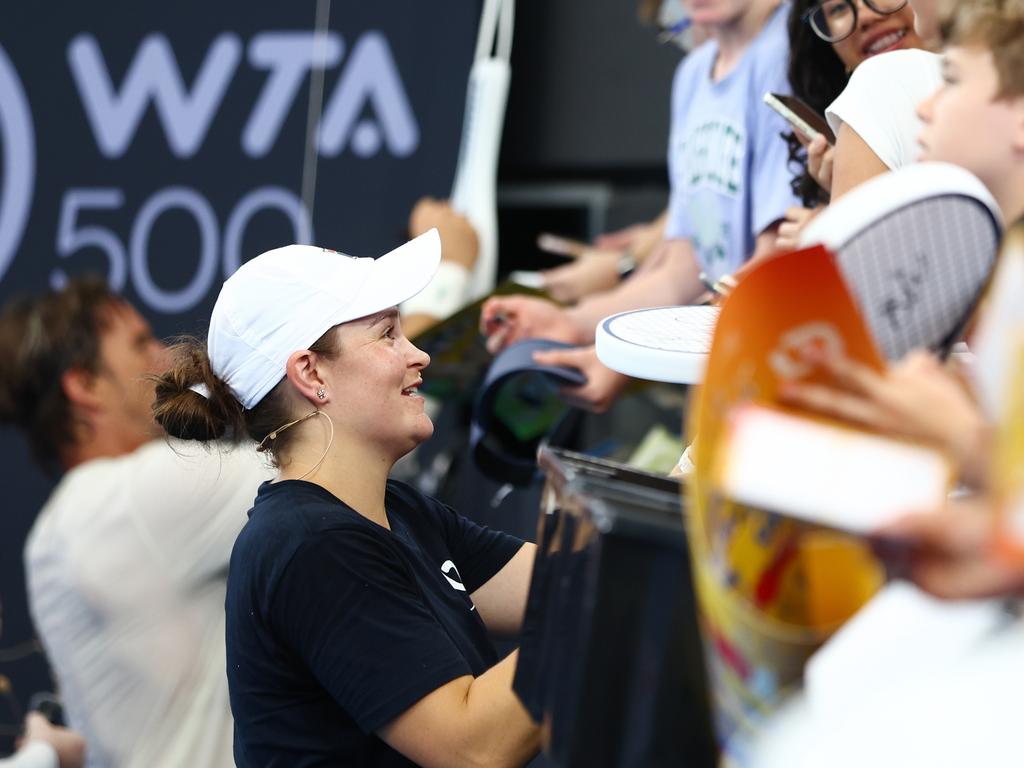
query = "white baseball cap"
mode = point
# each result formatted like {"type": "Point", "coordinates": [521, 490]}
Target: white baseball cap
{"type": "Point", "coordinates": [285, 299]}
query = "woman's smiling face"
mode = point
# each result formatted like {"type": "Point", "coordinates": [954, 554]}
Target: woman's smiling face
{"type": "Point", "coordinates": [877, 33]}
{"type": "Point", "coordinates": [374, 383]}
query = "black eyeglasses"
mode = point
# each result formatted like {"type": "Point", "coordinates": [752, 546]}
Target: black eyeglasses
{"type": "Point", "coordinates": [835, 20]}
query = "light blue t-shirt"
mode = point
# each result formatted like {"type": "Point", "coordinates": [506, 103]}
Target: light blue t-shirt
{"type": "Point", "coordinates": [727, 158]}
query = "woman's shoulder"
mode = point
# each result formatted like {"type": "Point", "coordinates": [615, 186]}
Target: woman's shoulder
{"type": "Point", "coordinates": [404, 498]}
{"type": "Point", "coordinates": [884, 91]}
{"type": "Point", "coordinates": [302, 508]}
{"type": "Point", "coordinates": [901, 68]}
{"type": "Point", "coordinates": [294, 521]}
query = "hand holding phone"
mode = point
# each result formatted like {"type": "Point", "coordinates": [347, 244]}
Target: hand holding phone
{"type": "Point", "coordinates": [801, 116]}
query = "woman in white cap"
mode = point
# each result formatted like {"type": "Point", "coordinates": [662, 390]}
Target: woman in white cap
{"type": "Point", "coordinates": [357, 608]}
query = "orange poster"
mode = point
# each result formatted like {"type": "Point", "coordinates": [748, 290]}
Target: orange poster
{"type": "Point", "coordinates": [771, 589]}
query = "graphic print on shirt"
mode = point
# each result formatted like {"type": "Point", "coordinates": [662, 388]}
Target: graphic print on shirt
{"type": "Point", "coordinates": [709, 165]}
{"type": "Point", "coordinates": [448, 567]}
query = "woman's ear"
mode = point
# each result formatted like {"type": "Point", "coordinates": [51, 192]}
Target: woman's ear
{"type": "Point", "coordinates": [304, 375]}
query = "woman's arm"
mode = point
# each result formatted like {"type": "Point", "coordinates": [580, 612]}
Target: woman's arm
{"type": "Point", "coordinates": [501, 600]}
{"type": "Point", "coordinates": [468, 722]}
{"type": "Point", "coordinates": [854, 162]}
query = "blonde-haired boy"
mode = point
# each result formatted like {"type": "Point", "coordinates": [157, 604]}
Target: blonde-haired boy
{"type": "Point", "coordinates": [976, 118]}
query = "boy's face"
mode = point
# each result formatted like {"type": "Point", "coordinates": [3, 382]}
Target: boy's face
{"type": "Point", "coordinates": [964, 124]}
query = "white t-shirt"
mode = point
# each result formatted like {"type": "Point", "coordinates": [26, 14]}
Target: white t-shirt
{"type": "Point", "coordinates": [963, 712]}
{"type": "Point", "coordinates": [35, 754]}
{"type": "Point", "coordinates": [880, 103]}
{"type": "Point", "coordinates": [126, 568]}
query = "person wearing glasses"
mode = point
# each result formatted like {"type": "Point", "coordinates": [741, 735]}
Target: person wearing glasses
{"type": "Point", "coordinates": [874, 120]}
{"type": "Point", "coordinates": [824, 53]}
{"type": "Point", "coordinates": [828, 41]}
{"type": "Point", "coordinates": [729, 191]}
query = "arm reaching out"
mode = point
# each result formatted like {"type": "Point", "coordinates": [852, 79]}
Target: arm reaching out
{"type": "Point", "coordinates": [508, 319]}
{"type": "Point", "coordinates": [949, 552]}
{"type": "Point", "coordinates": [602, 386]}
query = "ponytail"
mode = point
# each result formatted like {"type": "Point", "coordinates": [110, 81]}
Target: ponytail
{"type": "Point", "coordinates": [185, 413]}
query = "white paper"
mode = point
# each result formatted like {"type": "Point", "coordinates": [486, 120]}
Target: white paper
{"type": "Point", "coordinates": [826, 474]}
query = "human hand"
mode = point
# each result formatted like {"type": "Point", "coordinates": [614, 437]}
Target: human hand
{"type": "Point", "coordinates": [459, 243]}
{"type": "Point", "coordinates": [602, 385]}
{"type": "Point", "coordinates": [69, 746]}
{"type": "Point", "coordinates": [788, 237]}
{"type": "Point", "coordinates": [949, 552]}
{"type": "Point", "coordinates": [620, 239]}
{"type": "Point", "coordinates": [508, 319]}
{"type": "Point", "coordinates": [916, 398]}
{"type": "Point", "coordinates": [595, 270]}
{"type": "Point", "coordinates": [819, 162]}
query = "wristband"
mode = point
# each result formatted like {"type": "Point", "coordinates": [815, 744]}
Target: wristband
{"type": "Point", "coordinates": [443, 295]}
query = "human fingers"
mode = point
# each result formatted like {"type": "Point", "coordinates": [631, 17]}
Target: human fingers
{"type": "Point", "coordinates": [602, 386]}
{"type": "Point", "coordinates": [833, 402]}
{"type": "Point", "coordinates": [825, 169]}
{"type": "Point", "coordinates": [619, 239]}
{"type": "Point", "coordinates": [819, 162]}
{"type": "Point", "coordinates": [585, 395]}
{"type": "Point", "coordinates": [784, 243]}
{"type": "Point", "coordinates": [507, 330]}
{"type": "Point", "coordinates": [817, 146]}
{"type": "Point", "coordinates": [919, 361]}
{"type": "Point", "coordinates": [559, 284]}
{"type": "Point", "coordinates": [795, 213]}
{"type": "Point", "coordinates": [967, 578]}
{"type": "Point", "coordinates": [423, 215]}
{"type": "Point", "coordinates": [786, 237]}
{"type": "Point", "coordinates": [576, 357]}
{"type": "Point", "coordinates": [493, 313]}
{"type": "Point", "coordinates": [497, 323]}
{"type": "Point", "coordinates": [847, 373]}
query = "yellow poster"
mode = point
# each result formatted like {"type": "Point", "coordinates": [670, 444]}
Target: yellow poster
{"type": "Point", "coordinates": [771, 589]}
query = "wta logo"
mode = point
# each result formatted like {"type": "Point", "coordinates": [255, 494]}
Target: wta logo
{"type": "Point", "coordinates": [19, 160]}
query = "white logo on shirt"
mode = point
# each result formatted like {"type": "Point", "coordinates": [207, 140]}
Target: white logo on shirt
{"type": "Point", "coordinates": [449, 567]}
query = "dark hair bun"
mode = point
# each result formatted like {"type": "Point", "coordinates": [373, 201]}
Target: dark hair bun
{"type": "Point", "coordinates": [187, 414]}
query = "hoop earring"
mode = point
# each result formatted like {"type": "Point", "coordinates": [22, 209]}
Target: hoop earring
{"type": "Point", "coordinates": [273, 435]}
{"type": "Point", "coordinates": [321, 393]}
{"type": "Point", "coordinates": [327, 450]}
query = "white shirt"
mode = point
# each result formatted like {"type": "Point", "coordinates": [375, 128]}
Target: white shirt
{"type": "Point", "coordinates": [880, 103]}
{"type": "Point", "coordinates": [126, 568]}
{"type": "Point", "coordinates": [964, 714]}
{"type": "Point", "coordinates": [35, 754]}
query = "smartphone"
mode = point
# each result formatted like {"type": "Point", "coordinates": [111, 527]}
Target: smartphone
{"type": "Point", "coordinates": [562, 246]}
{"type": "Point", "coordinates": [802, 117]}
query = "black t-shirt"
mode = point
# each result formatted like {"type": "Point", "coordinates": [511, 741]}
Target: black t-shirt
{"type": "Point", "coordinates": [336, 625]}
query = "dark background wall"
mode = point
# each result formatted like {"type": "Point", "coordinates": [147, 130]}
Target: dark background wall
{"type": "Point", "coordinates": [167, 211]}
